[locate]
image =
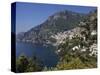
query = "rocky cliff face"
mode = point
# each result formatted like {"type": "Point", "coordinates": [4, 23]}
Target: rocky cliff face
{"type": "Point", "coordinates": [73, 34]}
{"type": "Point", "coordinates": [58, 22]}
{"type": "Point", "coordinates": [82, 38]}
{"type": "Point", "coordinates": [79, 29]}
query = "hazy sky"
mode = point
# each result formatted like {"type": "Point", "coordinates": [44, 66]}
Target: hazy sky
{"type": "Point", "coordinates": [29, 15]}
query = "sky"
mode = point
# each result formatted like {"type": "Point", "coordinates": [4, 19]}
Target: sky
{"type": "Point", "coordinates": [29, 15]}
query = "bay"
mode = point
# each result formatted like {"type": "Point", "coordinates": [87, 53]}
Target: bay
{"type": "Point", "coordinates": [46, 54]}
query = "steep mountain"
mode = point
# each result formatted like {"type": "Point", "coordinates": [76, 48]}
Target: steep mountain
{"type": "Point", "coordinates": [80, 41]}
{"type": "Point", "coordinates": [73, 34]}
{"type": "Point", "coordinates": [77, 47]}
{"type": "Point", "coordinates": [58, 22]}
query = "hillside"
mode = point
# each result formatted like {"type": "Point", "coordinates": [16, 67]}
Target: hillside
{"type": "Point", "coordinates": [74, 35]}
{"type": "Point", "coordinates": [78, 48]}
{"type": "Point", "coordinates": [58, 22]}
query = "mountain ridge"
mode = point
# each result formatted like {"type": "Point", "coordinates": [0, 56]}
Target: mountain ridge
{"type": "Point", "coordinates": [58, 22]}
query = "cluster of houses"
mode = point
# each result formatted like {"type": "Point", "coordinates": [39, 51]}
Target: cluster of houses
{"type": "Point", "coordinates": [70, 34]}
{"type": "Point", "coordinates": [60, 37]}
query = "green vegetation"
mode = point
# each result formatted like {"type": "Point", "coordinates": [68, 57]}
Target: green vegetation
{"type": "Point", "coordinates": [69, 58]}
{"type": "Point", "coordinates": [78, 59]}
{"type": "Point", "coordinates": [24, 64]}
{"type": "Point", "coordinates": [66, 21]}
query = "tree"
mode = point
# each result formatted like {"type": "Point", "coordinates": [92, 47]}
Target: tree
{"type": "Point", "coordinates": [33, 65]}
{"type": "Point", "coordinates": [21, 63]}
{"type": "Point", "coordinates": [25, 64]}
{"type": "Point", "coordinates": [75, 63]}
